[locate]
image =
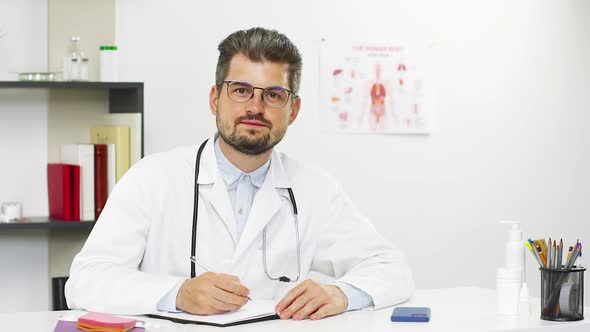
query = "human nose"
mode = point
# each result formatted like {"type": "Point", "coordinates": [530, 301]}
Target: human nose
{"type": "Point", "coordinates": [256, 102]}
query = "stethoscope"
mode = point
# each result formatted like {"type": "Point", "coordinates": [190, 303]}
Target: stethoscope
{"type": "Point", "coordinates": [196, 214]}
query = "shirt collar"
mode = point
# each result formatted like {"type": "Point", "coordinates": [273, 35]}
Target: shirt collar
{"type": "Point", "coordinates": [230, 173]}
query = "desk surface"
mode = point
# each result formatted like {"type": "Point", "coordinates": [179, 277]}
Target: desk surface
{"type": "Point", "coordinates": [477, 307]}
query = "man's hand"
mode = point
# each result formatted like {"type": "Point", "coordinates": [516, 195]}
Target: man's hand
{"type": "Point", "coordinates": [211, 293]}
{"type": "Point", "coordinates": [312, 299]}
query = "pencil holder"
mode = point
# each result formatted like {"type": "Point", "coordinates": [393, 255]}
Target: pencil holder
{"type": "Point", "coordinates": [562, 294]}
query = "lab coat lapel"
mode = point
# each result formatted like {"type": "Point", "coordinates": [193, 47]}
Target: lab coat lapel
{"type": "Point", "coordinates": [266, 204]}
{"type": "Point", "coordinates": [213, 189]}
{"type": "Point", "coordinates": [219, 199]}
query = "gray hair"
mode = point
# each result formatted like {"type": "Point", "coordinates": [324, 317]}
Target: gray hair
{"type": "Point", "coordinates": [259, 44]}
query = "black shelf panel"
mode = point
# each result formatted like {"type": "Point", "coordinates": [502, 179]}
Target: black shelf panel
{"type": "Point", "coordinates": [48, 223]}
{"type": "Point", "coordinates": [124, 97]}
{"type": "Point", "coordinates": [71, 84]}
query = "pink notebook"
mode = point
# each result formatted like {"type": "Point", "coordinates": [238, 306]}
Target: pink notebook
{"type": "Point", "coordinates": [65, 326]}
{"type": "Point", "coordinates": [98, 320]}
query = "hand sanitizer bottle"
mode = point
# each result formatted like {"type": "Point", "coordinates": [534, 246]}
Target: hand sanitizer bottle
{"type": "Point", "coordinates": [514, 252]}
{"type": "Point", "coordinates": [509, 279]}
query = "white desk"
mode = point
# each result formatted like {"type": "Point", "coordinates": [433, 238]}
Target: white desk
{"type": "Point", "coordinates": [453, 309]}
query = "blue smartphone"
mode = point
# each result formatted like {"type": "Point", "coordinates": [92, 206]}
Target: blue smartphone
{"type": "Point", "coordinates": [410, 314]}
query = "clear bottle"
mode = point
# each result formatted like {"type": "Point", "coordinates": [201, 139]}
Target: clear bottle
{"type": "Point", "coordinates": [83, 73]}
{"type": "Point", "coordinates": [74, 50]}
{"type": "Point", "coordinates": [73, 60]}
{"type": "Point", "coordinates": [74, 69]}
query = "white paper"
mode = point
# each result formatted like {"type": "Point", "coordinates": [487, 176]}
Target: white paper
{"type": "Point", "coordinates": [251, 310]}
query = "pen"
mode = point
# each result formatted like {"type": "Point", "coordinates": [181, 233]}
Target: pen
{"type": "Point", "coordinates": [534, 252]}
{"type": "Point", "coordinates": [206, 268]}
{"type": "Point", "coordinates": [560, 254]}
{"type": "Point", "coordinates": [580, 258]}
{"type": "Point", "coordinates": [573, 257]}
{"type": "Point", "coordinates": [549, 255]}
{"type": "Point", "coordinates": [554, 260]}
{"type": "Point", "coordinates": [541, 244]}
{"type": "Point", "coordinates": [540, 252]}
{"type": "Point", "coordinates": [203, 266]}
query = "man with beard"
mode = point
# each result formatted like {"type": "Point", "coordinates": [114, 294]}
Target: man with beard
{"type": "Point", "coordinates": [264, 225]}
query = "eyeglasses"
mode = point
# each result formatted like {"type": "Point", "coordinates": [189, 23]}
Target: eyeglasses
{"type": "Point", "coordinates": [273, 96]}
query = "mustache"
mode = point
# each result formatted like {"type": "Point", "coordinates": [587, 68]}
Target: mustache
{"type": "Point", "coordinates": [256, 117]}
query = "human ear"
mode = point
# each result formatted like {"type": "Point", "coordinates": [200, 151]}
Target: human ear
{"type": "Point", "coordinates": [296, 105]}
{"type": "Point", "coordinates": [213, 99]}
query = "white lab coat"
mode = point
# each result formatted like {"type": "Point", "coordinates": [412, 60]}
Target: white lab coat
{"type": "Point", "coordinates": [141, 244]}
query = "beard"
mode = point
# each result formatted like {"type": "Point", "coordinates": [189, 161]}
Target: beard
{"type": "Point", "coordinates": [251, 143]}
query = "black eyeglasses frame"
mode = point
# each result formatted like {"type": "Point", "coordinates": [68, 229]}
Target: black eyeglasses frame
{"type": "Point", "coordinates": [290, 95]}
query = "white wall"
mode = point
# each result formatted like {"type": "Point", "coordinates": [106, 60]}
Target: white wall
{"type": "Point", "coordinates": [24, 281]}
{"type": "Point", "coordinates": [23, 113]}
{"type": "Point", "coordinates": [512, 106]}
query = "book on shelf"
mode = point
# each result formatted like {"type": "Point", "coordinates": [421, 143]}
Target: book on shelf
{"type": "Point", "coordinates": [111, 168]}
{"type": "Point", "coordinates": [97, 175]}
{"type": "Point", "coordinates": [63, 191]}
{"type": "Point", "coordinates": [121, 137]}
{"type": "Point", "coordinates": [100, 178]}
{"type": "Point", "coordinates": [83, 156]}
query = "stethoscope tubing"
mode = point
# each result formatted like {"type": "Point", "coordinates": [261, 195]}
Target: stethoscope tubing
{"type": "Point", "coordinates": [195, 222]}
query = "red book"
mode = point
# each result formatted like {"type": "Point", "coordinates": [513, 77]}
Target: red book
{"type": "Point", "coordinates": [101, 185]}
{"type": "Point", "coordinates": [76, 187]}
{"type": "Point", "coordinates": [63, 184]}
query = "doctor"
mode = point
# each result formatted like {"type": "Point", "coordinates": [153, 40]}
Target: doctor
{"type": "Point", "coordinates": [255, 223]}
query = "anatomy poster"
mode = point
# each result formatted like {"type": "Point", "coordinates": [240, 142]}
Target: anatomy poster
{"type": "Point", "coordinates": [373, 89]}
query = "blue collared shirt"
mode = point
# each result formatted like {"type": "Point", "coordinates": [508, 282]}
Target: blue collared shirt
{"type": "Point", "coordinates": [241, 188]}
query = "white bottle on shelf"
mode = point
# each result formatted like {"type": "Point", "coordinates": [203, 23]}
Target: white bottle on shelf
{"type": "Point", "coordinates": [108, 64]}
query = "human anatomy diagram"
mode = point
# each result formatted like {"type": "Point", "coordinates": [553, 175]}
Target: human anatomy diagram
{"type": "Point", "coordinates": [372, 90]}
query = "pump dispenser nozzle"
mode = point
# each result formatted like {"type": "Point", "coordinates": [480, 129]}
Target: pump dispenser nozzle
{"type": "Point", "coordinates": [514, 246]}
{"type": "Point", "coordinates": [514, 234]}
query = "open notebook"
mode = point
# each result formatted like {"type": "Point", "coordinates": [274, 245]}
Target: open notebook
{"type": "Point", "coordinates": [253, 311]}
